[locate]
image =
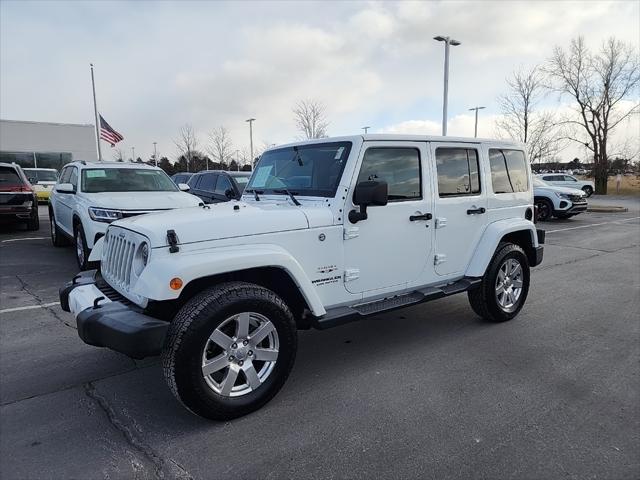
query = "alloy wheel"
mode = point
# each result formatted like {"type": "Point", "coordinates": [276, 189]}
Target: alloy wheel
{"type": "Point", "coordinates": [509, 283]}
{"type": "Point", "coordinates": [240, 354]}
{"type": "Point", "coordinates": [80, 247]}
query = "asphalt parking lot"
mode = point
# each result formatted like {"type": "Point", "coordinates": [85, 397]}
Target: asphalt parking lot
{"type": "Point", "coordinates": [430, 391]}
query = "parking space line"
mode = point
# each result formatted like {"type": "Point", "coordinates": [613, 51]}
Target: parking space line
{"type": "Point", "coordinates": [30, 307]}
{"type": "Point", "coordinates": [591, 225]}
{"type": "Point", "coordinates": [24, 238]}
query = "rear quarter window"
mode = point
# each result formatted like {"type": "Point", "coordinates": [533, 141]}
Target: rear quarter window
{"type": "Point", "coordinates": [509, 172]}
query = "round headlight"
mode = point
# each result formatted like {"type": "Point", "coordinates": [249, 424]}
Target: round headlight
{"type": "Point", "coordinates": [144, 254]}
{"type": "Point", "coordinates": [141, 258]}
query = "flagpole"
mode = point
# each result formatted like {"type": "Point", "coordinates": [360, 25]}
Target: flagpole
{"type": "Point", "coordinates": [95, 111]}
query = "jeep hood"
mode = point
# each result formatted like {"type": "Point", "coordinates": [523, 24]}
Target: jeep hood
{"type": "Point", "coordinates": [142, 200]}
{"type": "Point", "coordinates": [217, 221]}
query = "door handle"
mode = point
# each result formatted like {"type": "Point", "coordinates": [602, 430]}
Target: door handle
{"type": "Point", "coordinates": [426, 216]}
{"type": "Point", "coordinates": [476, 211]}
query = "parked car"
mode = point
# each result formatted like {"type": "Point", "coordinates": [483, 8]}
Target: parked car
{"type": "Point", "coordinates": [559, 202]}
{"type": "Point", "coordinates": [569, 181]}
{"type": "Point", "coordinates": [43, 180]}
{"type": "Point", "coordinates": [18, 201]}
{"type": "Point", "coordinates": [327, 231]}
{"type": "Point", "coordinates": [218, 186]}
{"type": "Point", "coordinates": [181, 177]}
{"type": "Point", "coordinates": [91, 195]}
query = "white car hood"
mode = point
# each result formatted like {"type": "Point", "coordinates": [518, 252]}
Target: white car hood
{"type": "Point", "coordinates": [142, 200]}
{"type": "Point", "coordinates": [223, 220]}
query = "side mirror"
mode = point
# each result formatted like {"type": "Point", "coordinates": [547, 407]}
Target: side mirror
{"type": "Point", "coordinates": [369, 193]}
{"type": "Point", "coordinates": [230, 194]}
{"type": "Point", "coordinates": [184, 187]}
{"type": "Point", "coordinates": [65, 188]}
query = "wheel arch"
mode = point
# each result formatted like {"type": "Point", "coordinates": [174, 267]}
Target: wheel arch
{"type": "Point", "coordinates": [519, 232]}
{"type": "Point", "coordinates": [267, 265]}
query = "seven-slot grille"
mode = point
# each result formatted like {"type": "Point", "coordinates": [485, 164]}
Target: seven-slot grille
{"type": "Point", "coordinates": [117, 257]}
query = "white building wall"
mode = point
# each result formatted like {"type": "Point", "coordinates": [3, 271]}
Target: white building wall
{"type": "Point", "coordinates": [20, 136]}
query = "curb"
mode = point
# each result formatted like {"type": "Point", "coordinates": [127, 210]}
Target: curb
{"type": "Point", "coordinates": [607, 209]}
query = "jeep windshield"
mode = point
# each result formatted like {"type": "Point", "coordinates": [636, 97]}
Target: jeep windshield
{"type": "Point", "coordinates": [309, 170]}
{"type": "Point", "coordinates": [98, 180]}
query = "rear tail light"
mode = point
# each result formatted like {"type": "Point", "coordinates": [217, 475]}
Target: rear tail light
{"type": "Point", "coordinates": [16, 188]}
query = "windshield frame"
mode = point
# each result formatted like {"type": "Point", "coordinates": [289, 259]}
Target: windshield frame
{"type": "Point", "coordinates": [83, 179]}
{"type": "Point", "coordinates": [299, 191]}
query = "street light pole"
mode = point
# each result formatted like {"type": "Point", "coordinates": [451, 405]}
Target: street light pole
{"type": "Point", "coordinates": [366, 129]}
{"type": "Point", "coordinates": [237, 161]}
{"type": "Point", "coordinates": [475, 134]}
{"type": "Point", "coordinates": [155, 153]}
{"type": "Point", "coordinates": [251, 120]}
{"type": "Point", "coordinates": [133, 154]}
{"type": "Point", "coordinates": [447, 42]}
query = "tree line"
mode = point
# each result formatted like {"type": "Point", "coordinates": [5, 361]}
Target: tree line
{"type": "Point", "coordinates": [602, 88]}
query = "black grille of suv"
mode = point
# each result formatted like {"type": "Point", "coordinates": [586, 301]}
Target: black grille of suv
{"type": "Point", "coordinates": [110, 293]}
{"type": "Point", "coordinates": [577, 198]}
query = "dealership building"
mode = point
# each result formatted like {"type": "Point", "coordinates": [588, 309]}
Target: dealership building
{"type": "Point", "coordinates": [46, 145]}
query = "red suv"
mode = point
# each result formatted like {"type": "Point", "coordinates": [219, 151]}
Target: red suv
{"type": "Point", "coordinates": [18, 201]}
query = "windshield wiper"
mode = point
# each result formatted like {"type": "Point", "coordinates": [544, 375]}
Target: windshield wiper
{"type": "Point", "coordinates": [255, 193]}
{"type": "Point", "coordinates": [287, 192]}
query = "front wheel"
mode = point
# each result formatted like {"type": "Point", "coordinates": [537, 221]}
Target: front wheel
{"type": "Point", "coordinates": [544, 209]}
{"type": "Point", "coordinates": [82, 251]}
{"type": "Point", "coordinates": [504, 287]}
{"type": "Point", "coordinates": [229, 350]}
{"type": "Point", "coordinates": [588, 190]}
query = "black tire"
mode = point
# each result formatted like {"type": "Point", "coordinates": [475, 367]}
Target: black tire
{"type": "Point", "coordinates": [80, 243]}
{"type": "Point", "coordinates": [58, 239]}
{"type": "Point", "coordinates": [544, 208]}
{"type": "Point", "coordinates": [484, 300]}
{"type": "Point", "coordinates": [188, 336]}
{"type": "Point", "coordinates": [588, 190]}
{"type": "Point", "coordinates": [34, 222]}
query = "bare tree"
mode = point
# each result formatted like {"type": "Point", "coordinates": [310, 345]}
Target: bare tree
{"type": "Point", "coordinates": [521, 119]}
{"type": "Point", "coordinates": [310, 118]}
{"type": "Point", "coordinates": [598, 83]}
{"type": "Point", "coordinates": [187, 142]}
{"type": "Point", "coordinates": [221, 146]}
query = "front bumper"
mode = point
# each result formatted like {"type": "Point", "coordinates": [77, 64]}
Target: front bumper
{"type": "Point", "coordinates": [577, 208]}
{"type": "Point", "coordinates": [111, 324]}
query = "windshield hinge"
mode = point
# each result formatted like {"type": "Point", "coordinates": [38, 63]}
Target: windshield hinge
{"type": "Point", "coordinates": [351, 232]}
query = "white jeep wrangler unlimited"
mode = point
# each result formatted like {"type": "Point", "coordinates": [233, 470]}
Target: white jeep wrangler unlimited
{"type": "Point", "coordinates": [327, 231]}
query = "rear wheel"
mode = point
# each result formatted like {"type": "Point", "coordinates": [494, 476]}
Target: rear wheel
{"type": "Point", "coordinates": [229, 350]}
{"type": "Point", "coordinates": [544, 208]}
{"type": "Point", "coordinates": [504, 287]}
{"type": "Point", "coordinates": [34, 222]}
{"type": "Point", "coordinates": [58, 239]}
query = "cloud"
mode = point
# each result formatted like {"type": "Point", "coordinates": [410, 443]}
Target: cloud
{"type": "Point", "coordinates": [160, 65]}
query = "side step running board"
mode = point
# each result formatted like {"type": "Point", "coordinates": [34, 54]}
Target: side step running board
{"type": "Point", "coordinates": [340, 315]}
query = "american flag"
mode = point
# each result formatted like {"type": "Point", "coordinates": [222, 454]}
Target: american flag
{"type": "Point", "coordinates": [108, 134]}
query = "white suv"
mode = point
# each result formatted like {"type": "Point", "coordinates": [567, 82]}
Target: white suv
{"type": "Point", "coordinates": [559, 202]}
{"type": "Point", "coordinates": [569, 181]}
{"type": "Point", "coordinates": [327, 231]}
{"type": "Point", "coordinates": [89, 196]}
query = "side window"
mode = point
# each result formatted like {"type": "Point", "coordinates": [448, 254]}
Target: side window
{"type": "Point", "coordinates": [192, 182]}
{"type": "Point", "coordinates": [458, 171]}
{"type": "Point", "coordinates": [64, 176]}
{"type": "Point", "coordinates": [207, 182]}
{"type": "Point", "coordinates": [223, 185]}
{"type": "Point", "coordinates": [508, 171]}
{"type": "Point", "coordinates": [399, 167]}
{"type": "Point", "coordinates": [73, 178]}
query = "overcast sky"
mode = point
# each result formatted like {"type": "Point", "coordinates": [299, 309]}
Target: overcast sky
{"type": "Point", "coordinates": [162, 64]}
